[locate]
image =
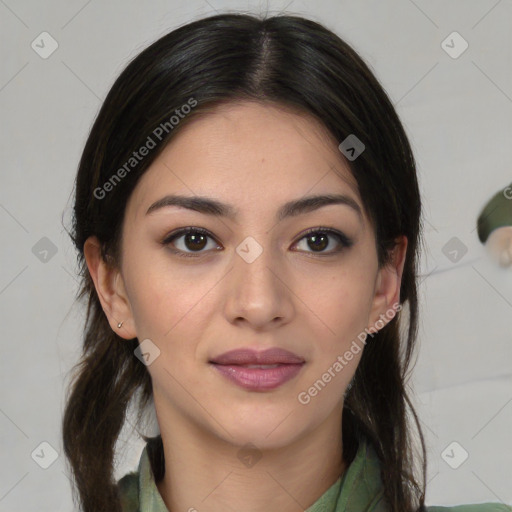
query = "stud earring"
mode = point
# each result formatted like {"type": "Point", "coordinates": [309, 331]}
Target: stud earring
{"type": "Point", "coordinates": [119, 325]}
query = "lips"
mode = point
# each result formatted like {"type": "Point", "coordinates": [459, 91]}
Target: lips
{"type": "Point", "coordinates": [272, 356]}
{"type": "Point", "coordinates": [258, 371]}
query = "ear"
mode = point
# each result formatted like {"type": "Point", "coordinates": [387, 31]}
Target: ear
{"type": "Point", "coordinates": [109, 285]}
{"type": "Point", "coordinates": [387, 286]}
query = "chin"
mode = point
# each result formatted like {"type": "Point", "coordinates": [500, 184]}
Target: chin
{"type": "Point", "coordinates": [273, 430]}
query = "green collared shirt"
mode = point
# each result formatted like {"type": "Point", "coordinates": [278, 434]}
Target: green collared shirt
{"type": "Point", "coordinates": [359, 489]}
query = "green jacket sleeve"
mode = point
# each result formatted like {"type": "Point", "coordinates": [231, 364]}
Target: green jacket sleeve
{"type": "Point", "coordinates": [480, 507]}
{"type": "Point", "coordinates": [128, 491]}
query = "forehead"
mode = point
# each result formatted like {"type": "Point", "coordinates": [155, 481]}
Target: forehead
{"type": "Point", "coordinates": [240, 151]}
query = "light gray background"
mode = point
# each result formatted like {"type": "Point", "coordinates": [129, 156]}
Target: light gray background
{"type": "Point", "coordinates": [458, 114]}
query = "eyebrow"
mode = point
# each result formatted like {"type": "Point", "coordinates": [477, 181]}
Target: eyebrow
{"type": "Point", "coordinates": [211, 206]}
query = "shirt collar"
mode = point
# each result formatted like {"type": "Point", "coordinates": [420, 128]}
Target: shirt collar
{"type": "Point", "coordinates": [359, 489]}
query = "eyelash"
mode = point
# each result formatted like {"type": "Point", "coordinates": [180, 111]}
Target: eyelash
{"type": "Point", "coordinates": [343, 240]}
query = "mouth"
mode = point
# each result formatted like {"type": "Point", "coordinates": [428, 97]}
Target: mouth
{"type": "Point", "coordinates": [246, 356]}
{"type": "Point", "coordinates": [256, 370]}
{"type": "Point", "coordinates": [259, 377]}
{"type": "Point", "coordinates": [261, 366]}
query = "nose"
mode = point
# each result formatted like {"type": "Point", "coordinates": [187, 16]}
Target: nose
{"type": "Point", "coordinates": [257, 291]}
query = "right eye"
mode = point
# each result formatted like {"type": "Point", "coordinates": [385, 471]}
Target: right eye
{"type": "Point", "coordinates": [193, 241]}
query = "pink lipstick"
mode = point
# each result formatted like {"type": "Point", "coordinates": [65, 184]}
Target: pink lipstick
{"type": "Point", "coordinates": [257, 370]}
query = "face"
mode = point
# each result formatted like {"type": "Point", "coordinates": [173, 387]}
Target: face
{"type": "Point", "coordinates": [499, 245]}
{"type": "Point", "coordinates": [250, 275]}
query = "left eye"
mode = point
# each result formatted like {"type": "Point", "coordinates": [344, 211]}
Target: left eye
{"type": "Point", "coordinates": [194, 240]}
{"type": "Point", "coordinates": [319, 238]}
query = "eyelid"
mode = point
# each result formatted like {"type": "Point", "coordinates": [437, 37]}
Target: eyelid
{"type": "Point", "coordinates": [183, 231]}
{"type": "Point", "coordinates": [344, 241]}
{"type": "Point", "coordinates": [178, 233]}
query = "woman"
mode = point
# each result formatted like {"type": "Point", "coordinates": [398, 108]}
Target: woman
{"type": "Point", "coordinates": [247, 219]}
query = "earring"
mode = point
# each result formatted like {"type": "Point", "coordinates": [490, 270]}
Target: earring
{"type": "Point", "coordinates": [119, 325]}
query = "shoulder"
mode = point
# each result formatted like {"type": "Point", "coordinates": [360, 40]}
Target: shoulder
{"type": "Point", "coordinates": [480, 507]}
{"type": "Point", "coordinates": [128, 487]}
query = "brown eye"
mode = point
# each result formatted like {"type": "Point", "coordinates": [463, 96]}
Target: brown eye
{"type": "Point", "coordinates": [318, 239]}
{"type": "Point", "coordinates": [193, 240]}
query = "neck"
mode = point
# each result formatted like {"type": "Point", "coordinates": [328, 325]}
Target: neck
{"type": "Point", "coordinates": [206, 473]}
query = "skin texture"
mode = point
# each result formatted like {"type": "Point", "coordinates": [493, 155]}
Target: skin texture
{"type": "Point", "coordinates": [294, 296]}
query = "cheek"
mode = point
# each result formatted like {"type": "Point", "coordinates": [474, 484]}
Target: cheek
{"type": "Point", "coordinates": [342, 305]}
{"type": "Point", "coordinates": [164, 299]}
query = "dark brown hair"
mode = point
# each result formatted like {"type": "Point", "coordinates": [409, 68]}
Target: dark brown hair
{"type": "Point", "coordinates": [288, 61]}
